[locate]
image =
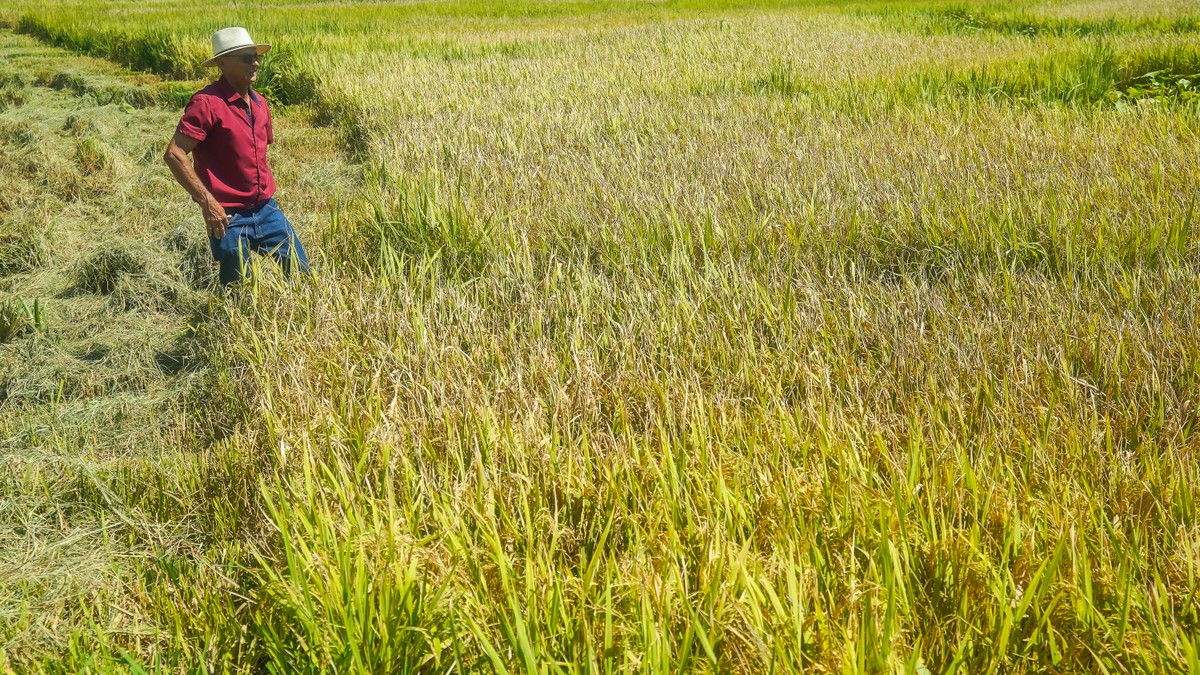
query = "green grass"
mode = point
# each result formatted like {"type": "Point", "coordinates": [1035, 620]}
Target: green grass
{"type": "Point", "coordinates": [1091, 73]}
{"type": "Point", "coordinates": [993, 19]}
{"type": "Point", "coordinates": [649, 337]}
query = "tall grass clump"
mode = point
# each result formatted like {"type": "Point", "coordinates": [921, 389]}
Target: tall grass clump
{"type": "Point", "coordinates": [159, 51]}
{"type": "Point", "coordinates": [396, 619]}
{"type": "Point", "coordinates": [14, 318]}
{"type": "Point", "coordinates": [1095, 72]}
{"type": "Point", "coordinates": [992, 18]}
{"type": "Point", "coordinates": [781, 80]}
{"type": "Point", "coordinates": [288, 75]}
{"type": "Point", "coordinates": [413, 225]}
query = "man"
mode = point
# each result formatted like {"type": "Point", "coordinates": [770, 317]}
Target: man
{"type": "Point", "coordinates": [227, 128]}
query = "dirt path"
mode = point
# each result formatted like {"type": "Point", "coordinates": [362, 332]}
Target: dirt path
{"type": "Point", "coordinates": [104, 272]}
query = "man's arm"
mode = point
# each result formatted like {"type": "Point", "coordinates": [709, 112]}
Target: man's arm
{"type": "Point", "coordinates": [176, 158]}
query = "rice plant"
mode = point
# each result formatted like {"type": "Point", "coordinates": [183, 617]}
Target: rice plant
{"type": "Point", "coordinates": [690, 336]}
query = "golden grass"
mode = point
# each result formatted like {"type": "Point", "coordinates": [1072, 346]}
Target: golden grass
{"type": "Point", "coordinates": [716, 339]}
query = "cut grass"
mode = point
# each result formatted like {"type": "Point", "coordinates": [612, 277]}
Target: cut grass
{"type": "Point", "coordinates": [98, 460]}
{"type": "Point", "coordinates": [22, 249]}
{"type": "Point", "coordinates": [102, 272]}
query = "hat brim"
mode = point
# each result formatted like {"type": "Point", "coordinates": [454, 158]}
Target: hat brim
{"type": "Point", "coordinates": [262, 49]}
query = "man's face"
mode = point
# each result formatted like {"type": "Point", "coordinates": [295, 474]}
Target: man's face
{"type": "Point", "coordinates": [241, 67]}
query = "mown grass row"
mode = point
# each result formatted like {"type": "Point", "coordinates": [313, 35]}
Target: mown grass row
{"type": "Point", "coordinates": [94, 309]}
{"type": "Point", "coordinates": [102, 283]}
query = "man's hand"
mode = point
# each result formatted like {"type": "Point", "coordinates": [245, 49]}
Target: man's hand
{"type": "Point", "coordinates": [214, 217]}
{"type": "Point", "coordinates": [176, 158]}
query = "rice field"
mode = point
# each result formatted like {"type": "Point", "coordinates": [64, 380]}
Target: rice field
{"type": "Point", "coordinates": [695, 335]}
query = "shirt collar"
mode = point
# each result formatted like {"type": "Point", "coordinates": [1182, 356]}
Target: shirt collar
{"type": "Point", "coordinates": [230, 94]}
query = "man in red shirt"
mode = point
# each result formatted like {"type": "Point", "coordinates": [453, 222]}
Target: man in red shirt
{"type": "Point", "coordinates": [227, 128]}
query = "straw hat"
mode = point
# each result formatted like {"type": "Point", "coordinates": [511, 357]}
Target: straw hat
{"type": "Point", "coordinates": [230, 40]}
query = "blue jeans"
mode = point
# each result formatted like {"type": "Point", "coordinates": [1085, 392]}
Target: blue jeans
{"type": "Point", "coordinates": [262, 229]}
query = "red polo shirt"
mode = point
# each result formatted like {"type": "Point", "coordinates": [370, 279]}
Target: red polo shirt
{"type": "Point", "coordinates": [231, 158]}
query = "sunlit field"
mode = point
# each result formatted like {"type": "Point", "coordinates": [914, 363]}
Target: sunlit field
{"type": "Point", "coordinates": [643, 336]}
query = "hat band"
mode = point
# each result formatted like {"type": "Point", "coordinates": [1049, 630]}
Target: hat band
{"type": "Point", "coordinates": [259, 48]}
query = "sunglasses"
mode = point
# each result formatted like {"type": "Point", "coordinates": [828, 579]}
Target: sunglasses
{"type": "Point", "coordinates": [246, 58]}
